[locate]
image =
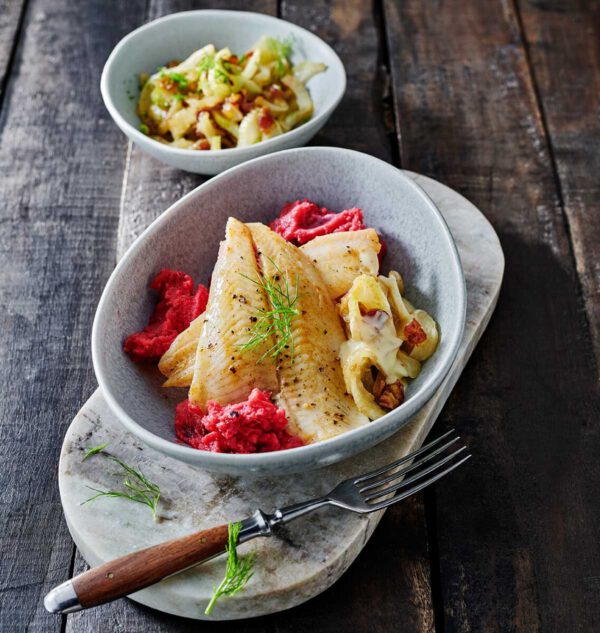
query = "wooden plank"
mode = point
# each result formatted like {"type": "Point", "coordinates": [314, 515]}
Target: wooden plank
{"type": "Point", "coordinates": [11, 13]}
{"type": "Point", "coordinates": [386, 589]}
{"type": "Point", "coordinates": [362, 121]}
{"type": "Point", "coordinates": [517, 529]}
{"type": "Point", "coordinates": [61, 163]}
{"type": "Point", "coordinates": [562, 42]}
{"type": "Point", "coordinates": [390, 581]}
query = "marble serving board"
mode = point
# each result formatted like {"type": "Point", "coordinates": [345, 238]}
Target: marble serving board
{"type": "Point", "coordinates": [308, 556]}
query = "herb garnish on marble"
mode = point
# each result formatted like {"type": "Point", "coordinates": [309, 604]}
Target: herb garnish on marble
{"type": "Point", "coordinates": [94, 450]}
{"type": "Point", "coordinates": [238, 572]}
{"type": "Point", "coordinates": [136, 486]}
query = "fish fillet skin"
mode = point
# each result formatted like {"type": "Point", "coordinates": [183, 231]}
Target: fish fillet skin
{"type": "Point", "coordinates": [340, 257]}
{"type": "Point", "coordinates": [177, 363]}
{"type": "Point", "coordinates": [311, 385]}
{"type": "Point", "coordinates": [222, 371]}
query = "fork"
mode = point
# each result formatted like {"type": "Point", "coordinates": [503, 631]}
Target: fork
{"type": "Point", "coordinates": [372, 491]}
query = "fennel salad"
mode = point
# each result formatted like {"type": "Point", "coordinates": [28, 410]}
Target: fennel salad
{"type": "Point", "coordinates": [216, 100]}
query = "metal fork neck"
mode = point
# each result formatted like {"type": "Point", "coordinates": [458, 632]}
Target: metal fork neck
{"type": "Point", "coordinates": [262, 524]}
{"type": "Point", "coordinates": [289, 513]}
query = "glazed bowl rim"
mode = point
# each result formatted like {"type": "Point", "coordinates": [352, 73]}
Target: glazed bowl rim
{"type": "Point", "coordinates": [333, 99]}
{"type": "Point", "coordinates": [382, 427]}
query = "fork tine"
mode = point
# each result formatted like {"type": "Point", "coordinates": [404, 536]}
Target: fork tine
{"type": "Point", "coordinates": [411, 491]}
{"type": "Point", "coordinates": [403, 471]}
{"type": "Point", "coordinates": [419, 475]}
{"type": "Point", "coordinates": [403, 460]}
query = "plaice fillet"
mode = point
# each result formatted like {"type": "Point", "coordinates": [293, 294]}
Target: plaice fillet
{"type": "Point", "coordinates": [177, 363]}
{"type": "Point", "coordinates": [340, 257]}
{"type": "Point", "coordinates": [311, 386]}
{"type": "Point", "coordinates": [222, 372]}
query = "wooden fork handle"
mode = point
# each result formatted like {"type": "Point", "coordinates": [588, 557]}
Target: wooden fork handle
{"type": "Point", "coordinates": [138, 570]}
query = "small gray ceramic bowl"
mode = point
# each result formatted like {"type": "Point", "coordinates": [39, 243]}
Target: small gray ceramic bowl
{"type": "Point", "coordinates": [187, 236]}
{"type": "Point", "coordinates": [178, 35]}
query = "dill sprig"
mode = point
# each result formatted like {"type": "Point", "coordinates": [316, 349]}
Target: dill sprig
{"type": "Point", "coordinates": [137, 487]}
{"type": "Point", "coordinates": [94, 450]}
{"type": "Point", "coordinates": [238, 571]}
{"type": "Point", "coordinates": [276, 322]}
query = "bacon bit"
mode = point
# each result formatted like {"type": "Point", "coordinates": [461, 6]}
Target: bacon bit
{"type": "Point", "coordinates": [265, 120]}
{"type": "Point", "coordinates": [406, 347]}
{"type": "Point", "coordinates": [414, 333]}
{"type": "Point", "coordinates": [275, 92]}
{"type": "Point", "coordinates": [203, 144]}
{"type": "Point", "coordinates": [168, 84]}
{"type": "Point", "coordinates": [378, 385]}
{"type": "Point", "coordinates": [375, 318]}
{"type": "Point", "coordinates": [234, 59]}
{"type": "Point", "coordinates": [374, 313]}
{"type": "Point", "coordinates": [246, 104]}
{"type": "Point", "coordinates": [392, 396]}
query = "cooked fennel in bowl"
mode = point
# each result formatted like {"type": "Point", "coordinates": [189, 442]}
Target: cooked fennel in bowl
{"type": "Point", "coordinates": [216, 100]}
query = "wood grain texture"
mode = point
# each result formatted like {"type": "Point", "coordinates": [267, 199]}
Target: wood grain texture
{"type": "Point", "coordinates": [142, 568]}
{"type": "Point", "coordinates": [386, 589]}
{"type": "Point", "coordinates": [517, 529]}
{"type": "Point", "coordinates": [399, 548]}
{"type": "Point", "coordinates": [61, 165]}
{"type": "Point", "coordinates": [497, 99]}
{"type": "Point", "coordinates": [11, 14]}
{"type": "Point", "coordinates": [353, 28]}
{"type": "Point", "coordinates": [562, 43]}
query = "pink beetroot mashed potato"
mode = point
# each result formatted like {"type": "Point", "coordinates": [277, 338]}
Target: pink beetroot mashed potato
{"type": "Point", "coordinates": [303, 220]}
{"type": "Point", "coordinates": [253, 426]}
{"type": "Point", "coordinates": [178, 305]}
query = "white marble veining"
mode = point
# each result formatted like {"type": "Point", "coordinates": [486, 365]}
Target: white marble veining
{"type": "Point", "coordinates": [309, 555]}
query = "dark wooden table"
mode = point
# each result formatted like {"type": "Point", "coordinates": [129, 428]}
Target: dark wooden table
{"type": "Point", "coordinates": [498, 99]}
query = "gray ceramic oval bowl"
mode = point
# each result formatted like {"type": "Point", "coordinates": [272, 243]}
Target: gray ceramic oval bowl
{"type": "Point", "coordinates": [175, 37]}
{"type": "Point", "coordinates": [187, 236]}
